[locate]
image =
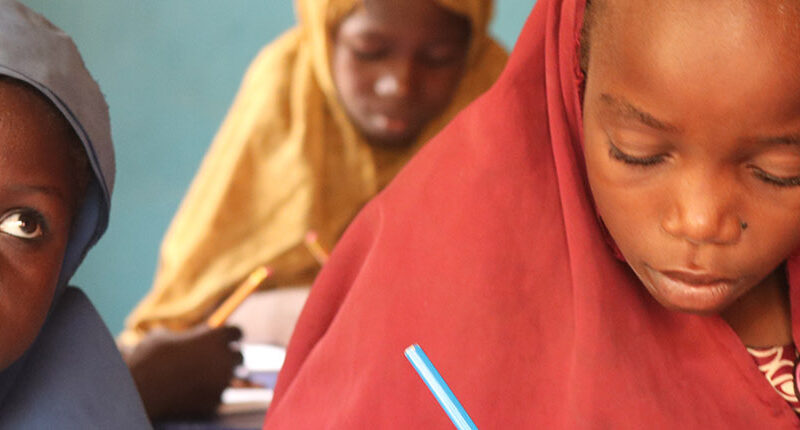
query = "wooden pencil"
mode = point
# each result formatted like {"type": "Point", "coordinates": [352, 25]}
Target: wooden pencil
{"type": "Point", "coordinates": [246, 288]}
{"type": "Point", "coordinates": [319, 253]}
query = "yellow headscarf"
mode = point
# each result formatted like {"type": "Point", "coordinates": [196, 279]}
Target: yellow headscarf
{"type": "Point", "coordinates": [285, 161]}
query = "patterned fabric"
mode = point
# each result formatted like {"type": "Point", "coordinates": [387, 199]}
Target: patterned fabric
{"type": "Point", "coordinates": [777, 364]}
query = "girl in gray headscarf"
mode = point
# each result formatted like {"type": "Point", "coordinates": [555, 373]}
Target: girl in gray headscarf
{"type": "Point", "coordinates": [59, 367]}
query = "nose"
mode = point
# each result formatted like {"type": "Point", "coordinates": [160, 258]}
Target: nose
{"type": "Point", "coordinates": [703, 211]}
{"type": "Point", "coordinates": [396, 80]}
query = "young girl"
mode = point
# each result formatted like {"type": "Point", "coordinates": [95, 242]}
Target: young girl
{"type": "Point", "coordinates": [59, 367]}
{"type": "Point", "coordinates": [326, 116]}
{"type": "Point", "coordinates": [608, 240]}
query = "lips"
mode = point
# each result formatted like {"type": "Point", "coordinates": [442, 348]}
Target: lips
{"type": "Point", "coordinates": [691, 291]}
{"type": "Point", "coordinates": [696, 279]}
{"type": "Point", "coordinates": [389, 123]}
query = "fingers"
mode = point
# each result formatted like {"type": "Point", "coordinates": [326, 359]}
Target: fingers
{"type": "Point", "coordinates": [226, 337]}
{"type": "Point", "coordinates": [225, 334]}
{"type": "Point", "coordinates": [178, 372]}
{"type": "Point", "coordinates": [231, 333]}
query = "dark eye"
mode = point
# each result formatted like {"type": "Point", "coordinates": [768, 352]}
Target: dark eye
{"type": "Point", "coordinates": [618, 155]}
{"type": "Point", "coordinates": [442, 55]}
{"type": "Point", "coordinates": [777, 181]}
{"type": "Point", "coordinates": [22, 223]}
{"type": "Point", "coordinates": [367, 49]}
{"type": "Point", "coordinates": [369, 54]}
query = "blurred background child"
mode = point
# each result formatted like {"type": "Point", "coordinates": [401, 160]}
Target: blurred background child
{"type": "Point", "coordinates": [325, 118]}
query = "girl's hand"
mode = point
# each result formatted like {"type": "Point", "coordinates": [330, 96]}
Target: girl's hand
{"type": "Point", "coordinates": [182, 374]}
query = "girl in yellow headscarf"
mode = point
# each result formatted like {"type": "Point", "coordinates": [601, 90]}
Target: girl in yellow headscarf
{"type": "Point", "coordinates": [325, 117]}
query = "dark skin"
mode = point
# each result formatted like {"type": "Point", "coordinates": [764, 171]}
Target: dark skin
{"type": "Point", "coordinates": [38, 197]}
{"type": "Point", "coordinates": [692, 145]}
{"type": "Point", "coordinates": [183, 374]}
{"type": "Point", "coordinates": [396, 66]}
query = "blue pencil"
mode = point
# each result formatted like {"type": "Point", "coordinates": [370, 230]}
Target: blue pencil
{"type": "Point", "coordinates": [439, 388]}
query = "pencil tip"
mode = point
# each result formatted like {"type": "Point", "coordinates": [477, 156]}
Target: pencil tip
{"type": "Point", "coordinates": [311, 236]}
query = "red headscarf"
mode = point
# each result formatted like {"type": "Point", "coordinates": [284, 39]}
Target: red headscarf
{"type": "Point", "coordinates": [486, 250]}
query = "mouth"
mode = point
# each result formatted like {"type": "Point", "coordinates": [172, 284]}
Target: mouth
{"type": "Point", "coordinates": [691, 291]}
{"type": "Point", "coordinates": [696, 279]}
{"type": "Point", "coordinates": [390, 124]}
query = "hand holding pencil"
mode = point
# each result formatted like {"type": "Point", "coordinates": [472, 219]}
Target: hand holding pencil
{"type": "Point", "coordinates": [183, 373]}
{"type": "Point", "coordinates": [165, 365]}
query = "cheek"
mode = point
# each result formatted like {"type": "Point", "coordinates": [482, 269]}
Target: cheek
{"type": "Point", "coordinates": [27, 285]}
{"type": "Point", "coordinates": [437, 86]}
{"type": "Point", "coordinates": [773, 233]}
{"type": "Point", "coordinates": [629, 216]}
{"type": "Point", "coordinates": [630, 209]}
{"type": "Point", "coordinates": [353, 79]}
{"type": "Point", "coordinates": [614, 198]}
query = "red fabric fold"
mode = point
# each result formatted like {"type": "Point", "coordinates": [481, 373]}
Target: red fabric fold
{"type": "Point", "coordinates": [487, 251]}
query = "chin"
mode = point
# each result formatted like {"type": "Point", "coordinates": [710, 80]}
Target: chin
{"type": "Point", "coordinates": [694, 310]}
{"type": "Point", "coordinates": [388, 141]}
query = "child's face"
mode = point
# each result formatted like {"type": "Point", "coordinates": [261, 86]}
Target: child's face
{"type": "Point", "coordinates": [37, 200]}
{"type": "Point", "coordinates": [396, 64]}
{"type": "Point", "coordinates": [692, 142]}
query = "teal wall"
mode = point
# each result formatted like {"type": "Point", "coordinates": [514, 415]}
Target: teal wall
{"type": "Point", "coordinates": [169, 69]}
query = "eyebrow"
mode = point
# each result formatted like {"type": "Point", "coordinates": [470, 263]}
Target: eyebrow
{"type": "Point", "coordinates": [628, 110]}
{"type": "Point", "coordinates": [39, 189]}
{"type": "Point", "coordinates": [789, 139]}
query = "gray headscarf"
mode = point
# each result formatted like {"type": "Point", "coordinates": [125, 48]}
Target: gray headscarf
{"type": "Point", "coordinates": [72, 376]}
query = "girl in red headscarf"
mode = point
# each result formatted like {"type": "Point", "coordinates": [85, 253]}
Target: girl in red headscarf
{"type": "Point", "coordinates": [604, 240]}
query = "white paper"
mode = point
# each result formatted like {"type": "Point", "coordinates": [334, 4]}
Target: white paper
{"type": "Point", "coordinates": [263, 358]}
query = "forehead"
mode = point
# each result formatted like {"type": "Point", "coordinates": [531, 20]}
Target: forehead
{"type": "Point", "coordinates": [412, 16]}
{"type": "Point", "coordinates": [710, 55]}
{"type": "Point", "coordinates": [34, 138]}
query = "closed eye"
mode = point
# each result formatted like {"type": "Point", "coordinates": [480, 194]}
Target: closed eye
{"type": "Point", "coordinates": [618, 155]}
{"type": "Point", "coordinates": [443, 54]}
{"type": "Point", "coordinates": [777, 181]}
{"type": "Point", "coordinates": [369, 54]}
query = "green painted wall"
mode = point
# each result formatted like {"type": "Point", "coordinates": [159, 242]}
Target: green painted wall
{"type": "Point", "coordinates": [169, 69]}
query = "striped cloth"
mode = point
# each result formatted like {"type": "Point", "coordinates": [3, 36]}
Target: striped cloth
{"type": "Point", "coordinates": [778, 365]}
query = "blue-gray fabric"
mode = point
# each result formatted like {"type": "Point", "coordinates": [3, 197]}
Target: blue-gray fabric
{"type": "Point", "coordinates": [72, 376]}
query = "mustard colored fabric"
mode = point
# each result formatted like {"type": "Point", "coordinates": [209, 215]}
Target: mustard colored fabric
{"type": "Point", "coordinates": [285, 161]}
